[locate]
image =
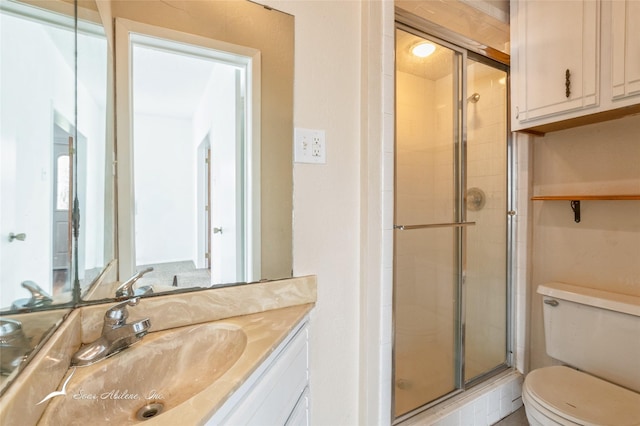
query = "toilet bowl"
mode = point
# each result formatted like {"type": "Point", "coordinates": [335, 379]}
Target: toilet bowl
{"type": "Point", "coordinates": [560, 395]}
{"type": "Point", "coordinates": [596, 334]}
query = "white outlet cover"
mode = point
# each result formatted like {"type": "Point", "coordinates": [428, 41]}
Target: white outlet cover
{"type": "Point", "coordinates": [309, 146]}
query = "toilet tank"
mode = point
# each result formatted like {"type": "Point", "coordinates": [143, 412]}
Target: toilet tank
{"type": "Point", "coordinates": [593, 330]}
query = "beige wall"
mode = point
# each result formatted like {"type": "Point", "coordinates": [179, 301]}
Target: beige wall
{"type": "Point", "coordinates": [603, 250]}
{"type": "Point", "coordinates": [326, 226]}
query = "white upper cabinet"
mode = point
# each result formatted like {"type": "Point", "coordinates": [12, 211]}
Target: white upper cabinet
{"type": "Point", "coordinates": [625, 50]}
{"type": "Point", "coordinates": [573, 62]}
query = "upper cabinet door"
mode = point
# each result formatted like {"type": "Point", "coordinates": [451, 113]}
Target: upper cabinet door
{"type": "Point", "coordinates": [555, 70]}
{"type": "Point", "coordinates": [625, 50]}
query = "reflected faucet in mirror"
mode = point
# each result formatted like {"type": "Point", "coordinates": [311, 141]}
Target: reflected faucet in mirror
{"type": "Point", "coordinates": [126, 288]}
{"type": "Point", "coordinates": [38, 298]}
{"type": "Point", "coordinates": [117, 335]}
{"type": "Point", "coordinates": [14, 345]}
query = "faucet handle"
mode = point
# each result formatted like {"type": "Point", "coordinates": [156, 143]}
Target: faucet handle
{"type": "Point", "coordinates": [37, 292]}
{"type": "Point", "coordinates": [118, 313]}
{"type": "Point", "coordinates": [126, 288]}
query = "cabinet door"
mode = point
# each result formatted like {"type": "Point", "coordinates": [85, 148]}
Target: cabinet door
{"type": "Point", "coordinates": [300, 414]}
{"type": "Point", "coordinates": [625, 49]}
{"type": "Point", "coordinates": [557, 62]}
{"type": "Point", "coordinates": [273, 394]}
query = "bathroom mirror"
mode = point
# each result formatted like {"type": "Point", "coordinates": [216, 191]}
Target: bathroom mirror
{"type": "Point", "coordinates": [53, 59]}
{"type": "Point", "coordinates": [48, 145]}
{"type": "Point", "coordinates": [241, 23]}
{"type": "Point", "coordinates": [204, 129]}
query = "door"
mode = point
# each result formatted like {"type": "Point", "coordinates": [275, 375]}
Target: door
{"type": "Point", "coordinates": [228, 258]}
{"type": "Point", "coordinates": [62, 208]}
{"type": "Point", "coordinates": [429, 224]}
{"type": "Point", "coordinates": [450, 233]}
{"type": "Point", "coordinates": [62, 202]}
{"type": "Point", "coordinates": [558, 57]}
{"type": "Point", "coordinates": [485, 204]}
{"type": "Point", "coordinates": [207, 213]}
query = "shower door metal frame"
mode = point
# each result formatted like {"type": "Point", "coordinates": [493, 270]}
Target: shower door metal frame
{"type": "Point", "coordinates": [467, 48]}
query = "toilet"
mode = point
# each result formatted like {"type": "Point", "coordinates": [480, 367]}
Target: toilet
{"type": "Point", "coordinates": [596, 334]}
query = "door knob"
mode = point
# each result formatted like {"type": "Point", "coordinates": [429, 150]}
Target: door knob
{"type": "Point", "coordinates": [19, 237]}
{"type": "Point", "coordinates": [217, 230]}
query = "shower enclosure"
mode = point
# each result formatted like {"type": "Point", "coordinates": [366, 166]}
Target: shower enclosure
{"type": "Point", "coordinates": [451, 260]}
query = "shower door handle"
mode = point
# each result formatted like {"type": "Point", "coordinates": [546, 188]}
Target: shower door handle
{"type": "Point", "coordinates": [433, 225]}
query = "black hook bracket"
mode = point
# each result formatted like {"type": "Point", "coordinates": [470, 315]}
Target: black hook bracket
{"type": "Point", "coordinates": [575, 206]}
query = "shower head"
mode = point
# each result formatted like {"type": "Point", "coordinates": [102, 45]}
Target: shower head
{"type": "Point", "coordinates": [474, 98]}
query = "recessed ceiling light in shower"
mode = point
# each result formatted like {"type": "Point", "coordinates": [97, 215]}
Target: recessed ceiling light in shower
{"type": "Point", "coordinates": [424, 49]}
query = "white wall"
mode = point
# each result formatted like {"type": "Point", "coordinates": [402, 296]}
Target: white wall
{"type": "Point", "coordinates": [92, 124]}
{"type": "Point", "coordinates": [216, 117]}
{"type": "Point", "coordinates": [165, 189]}
{"type": "Point", "coordinates": [29, 97]}
{"type": "Point", "coordinates": [38, 78]}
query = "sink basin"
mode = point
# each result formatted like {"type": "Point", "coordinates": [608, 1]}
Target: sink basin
{"type": "Point", "coordinates": [148, 379]}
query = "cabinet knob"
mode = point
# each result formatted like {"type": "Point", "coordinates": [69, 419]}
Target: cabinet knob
{"type": "Point", "coordinates": [567, 82]}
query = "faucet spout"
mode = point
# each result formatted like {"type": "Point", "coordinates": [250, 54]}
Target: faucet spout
{"type": "Point", "coordinates": [117, 335]}
{"type": "Point", "coordinates": [111, 343]}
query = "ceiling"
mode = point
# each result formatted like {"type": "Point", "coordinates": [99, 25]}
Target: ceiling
{"type": "Point", "coordinates": [484, 21]}
{"type": "Point", "coordinates": [433, 67]}
{"type": "Point", "coordinates": [160, 86]}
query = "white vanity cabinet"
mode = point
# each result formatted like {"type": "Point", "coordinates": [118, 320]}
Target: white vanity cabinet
{"type": "Point", "coordinates": [573, 62]}
{"type": "Point", "coordinates": [277, 392]}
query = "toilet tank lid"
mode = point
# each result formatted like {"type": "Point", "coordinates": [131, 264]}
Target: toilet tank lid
{"type": "Point", "coordinates": [589, 296]}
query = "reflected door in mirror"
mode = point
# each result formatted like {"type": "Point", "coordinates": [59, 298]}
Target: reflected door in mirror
{"type": "Point", "coordinates": [37, 89]}
{"type": "Point", "coordinates": [194, 216]}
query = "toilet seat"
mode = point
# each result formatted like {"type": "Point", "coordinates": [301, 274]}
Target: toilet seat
{"type": "Point", "coordinates": [568, 396]}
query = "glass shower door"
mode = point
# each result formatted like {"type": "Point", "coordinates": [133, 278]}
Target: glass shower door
{"type": "Point", "coordinates": [451, 245]}
{"type": "Point", "coordinates": [486, 205]}
{"type": "Point", "coordinates": [428, 232]}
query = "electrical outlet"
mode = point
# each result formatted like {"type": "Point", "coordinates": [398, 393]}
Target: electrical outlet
{"type": "Point", "coordinates": [309, 146]}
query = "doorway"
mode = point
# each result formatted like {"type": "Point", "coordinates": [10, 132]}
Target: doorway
{"type": "Point", "coordinates": [189, 131]}
{"type": "Point", "coordinates": [68, 159]}
{"type": "Point", "coordinates": [451, 248]}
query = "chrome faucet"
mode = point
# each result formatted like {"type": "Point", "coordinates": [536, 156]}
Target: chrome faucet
{"type": "Point", "coordinates": [39, 297]}
{"type": "Point", "coordinates": [14, 345]}
{"type": "Point", "coordinates": [117, 335]}
{"type": "Point", "coordinates": [126, 288]}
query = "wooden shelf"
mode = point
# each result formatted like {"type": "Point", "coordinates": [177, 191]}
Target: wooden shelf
{"type": "Point", "coordinates": [575, 200]}
{"type": "Point", "coordinates": [585, 197]}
